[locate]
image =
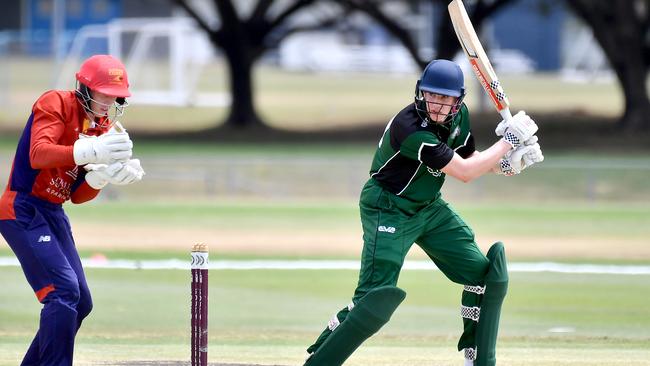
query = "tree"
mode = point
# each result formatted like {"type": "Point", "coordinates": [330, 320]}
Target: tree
{"type": "Point", "coordinates": [621, 28]}
{"type": "Point", "coordinates": [244, 39]}
{"type": "Point", "coordinates": [375, 10]}
{"type": "Point", "coordinates": [446, 43]}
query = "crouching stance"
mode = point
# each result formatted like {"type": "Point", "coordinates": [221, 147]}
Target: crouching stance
{"type": "Point", "coordinates": [401, 205]}
{"type": "Point", "coordinates": [69, 150]}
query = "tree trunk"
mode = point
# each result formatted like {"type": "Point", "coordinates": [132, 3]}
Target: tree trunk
{"type": "Point", "coordinates": [623, 47]}
{"type": "Point", "coordinates": [620, 31]}
{"type": "Point", "coordinates": [629, 65]}
{"type": "Point", "coordinates": [446, 43]}
{"type": "Point", "coordinates": [637, 105]}
{"type": "Point", "coordinates": [242, 110]}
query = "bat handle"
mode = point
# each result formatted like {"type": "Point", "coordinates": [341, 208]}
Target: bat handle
{"type": "Point", "coordinates": [505, 114]}
{"type": "Point", "coordinates": [117, 126]}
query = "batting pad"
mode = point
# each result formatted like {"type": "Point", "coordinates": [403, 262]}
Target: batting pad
{"type": "Point", "coordinates": [496, 287]}
{"type": "Point", "coordinates": [365, 319]}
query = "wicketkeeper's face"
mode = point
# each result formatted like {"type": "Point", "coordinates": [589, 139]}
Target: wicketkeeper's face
{"type": "Point", "coordinates": [439, 106]}
{"type": "Point", "coordinates": [101, 103]}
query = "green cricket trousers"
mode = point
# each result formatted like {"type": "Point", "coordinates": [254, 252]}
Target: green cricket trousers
{"type": "Point", "coordinates": [391, 224]}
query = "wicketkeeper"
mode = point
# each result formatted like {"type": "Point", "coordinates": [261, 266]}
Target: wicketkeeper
{"type": "Point", "coordinates": [69, 150]}
{"type": "Point", "coordinates": [401, 205]}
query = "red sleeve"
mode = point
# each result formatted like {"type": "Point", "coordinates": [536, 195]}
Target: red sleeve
{"type": "Point", "coordinates": [83, 194]}
{"type": "Point", "coordinates": [47, 128]}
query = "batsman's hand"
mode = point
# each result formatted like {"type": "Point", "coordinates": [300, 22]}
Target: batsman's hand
{"type": "Point", "coordinates": [517, 130]}
{"type": "Point", "coordinates": [521, 158]}
{"type": "Point", "coordinates": [108, 148]}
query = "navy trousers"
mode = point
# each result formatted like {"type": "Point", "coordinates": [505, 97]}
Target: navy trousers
{"type": "Point", "coordinates": [41, 238]}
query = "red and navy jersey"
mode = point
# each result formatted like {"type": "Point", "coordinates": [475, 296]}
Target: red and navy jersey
{"type": "Point", "coordinates": [44, 164]}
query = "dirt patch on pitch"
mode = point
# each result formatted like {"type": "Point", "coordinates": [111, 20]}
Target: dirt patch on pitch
{"type": "Point", "coordinates": [337, 243]}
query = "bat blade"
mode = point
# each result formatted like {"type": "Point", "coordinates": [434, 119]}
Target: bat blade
{"type": "Point", "coordinates": [478, 59]}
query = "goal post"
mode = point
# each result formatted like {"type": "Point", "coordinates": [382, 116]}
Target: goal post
{"type": "Point", "coordinates": [164, 58]}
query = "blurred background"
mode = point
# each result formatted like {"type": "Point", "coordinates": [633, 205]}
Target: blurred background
{"type": "Point", "coordinates": [333, 73]}
{"type": "Point", "coordinates": [256, 122]}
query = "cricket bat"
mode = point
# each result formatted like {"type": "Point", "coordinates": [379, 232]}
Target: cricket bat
{"type": "Point", "coordinates": [477, 58]}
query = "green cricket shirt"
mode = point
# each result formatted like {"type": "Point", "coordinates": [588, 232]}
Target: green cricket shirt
{"type": "Point", "coordinates": [412, 151]}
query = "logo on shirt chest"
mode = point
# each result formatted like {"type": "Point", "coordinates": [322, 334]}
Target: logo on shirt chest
{"type": "Point", "coordinates": [455, 133]}
{"type": "Point", "coordinates": [59, 188]}
{"type": "Point", "coordinates": [435, 172]}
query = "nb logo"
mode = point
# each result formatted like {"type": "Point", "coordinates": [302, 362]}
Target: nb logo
{"type": "Point", "coordinates": [386, 229]}
{"type": "Point", "coordinates": [44, 239]}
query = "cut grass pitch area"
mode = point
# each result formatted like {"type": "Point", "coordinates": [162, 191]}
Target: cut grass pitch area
{"type": "Point", "coordinates": [268, 317]}
{"type": "Point", "coordinates": [593, 233]}
{"type": "Point", "coordinates": [582, 233]}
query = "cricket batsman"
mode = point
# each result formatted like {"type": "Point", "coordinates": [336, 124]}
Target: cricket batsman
{"type": "Point", "coordinates": [70, 149]}
{"type": "Point", "coordinates": [401, 204]}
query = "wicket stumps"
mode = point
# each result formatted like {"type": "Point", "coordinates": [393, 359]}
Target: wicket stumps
{"type": "Point", "coordinates": [199, 305]}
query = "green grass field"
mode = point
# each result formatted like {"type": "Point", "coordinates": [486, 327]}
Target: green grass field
{"type": "Point", "coordinates": [575, 208]}
{"type": "Point", "coordinates": [268, 317]}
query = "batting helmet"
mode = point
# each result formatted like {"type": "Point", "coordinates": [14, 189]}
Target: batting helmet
{"type": "Point", "coordinates": [105, 74]}
{"type": "Point", "coordinates": [442, 77]}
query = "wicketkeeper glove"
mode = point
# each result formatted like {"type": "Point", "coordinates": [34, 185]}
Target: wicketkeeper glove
{"type": "Point", "coordinates": [104, 149]}
{"type": "Point", "coordinates": [99, 175]}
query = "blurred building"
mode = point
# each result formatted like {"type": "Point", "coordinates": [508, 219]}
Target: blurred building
{"type": "Point", "coordinates": [31, 24]}
{"type": "Point", "coordinates": [523, 37]}
{"type": "Point", "coordinates": [533, 27]}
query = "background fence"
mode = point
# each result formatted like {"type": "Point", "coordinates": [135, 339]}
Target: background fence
{"type": "Point", "coordinates": [578, 179]}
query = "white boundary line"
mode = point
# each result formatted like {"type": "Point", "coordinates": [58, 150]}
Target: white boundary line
{"type": "Point", "coordinates": [342, 264]}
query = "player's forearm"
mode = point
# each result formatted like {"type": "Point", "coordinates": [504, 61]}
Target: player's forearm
{"type": "Point", "coordinates": [486, 161]}
{"type": "Point", "coordinates": [47, 156]}
{"type": "Point", "coordinates": [83, 193]}
{"type": "Point", "coordinates": [496, 169]}
{"type": "Point", "coordinates": [478, 164]}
